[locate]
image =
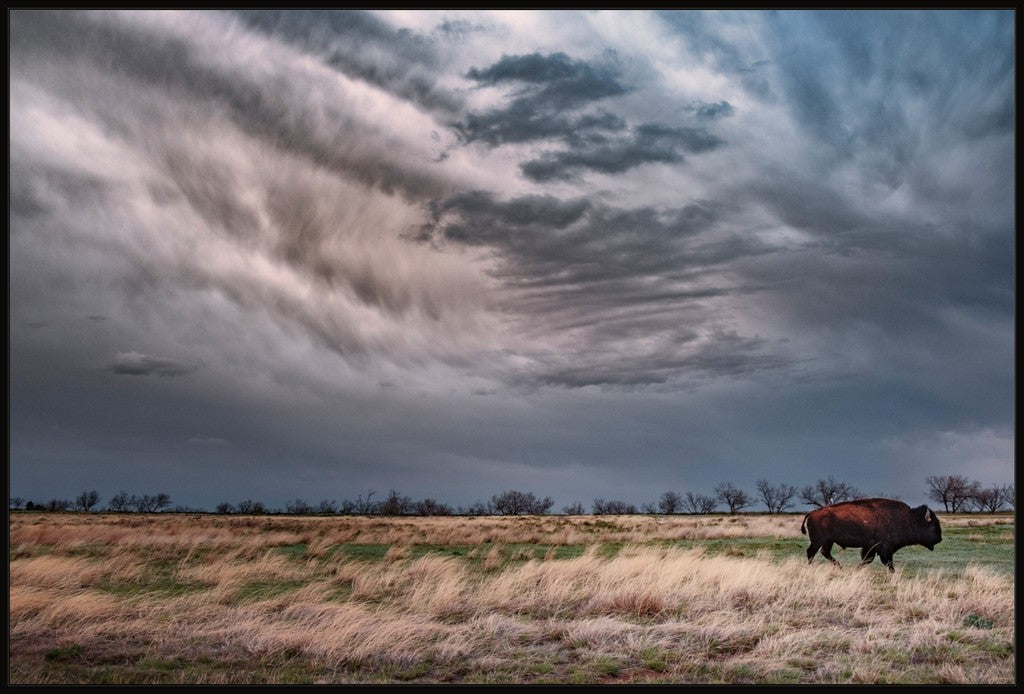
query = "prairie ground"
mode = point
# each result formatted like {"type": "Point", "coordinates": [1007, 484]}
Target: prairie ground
{"type": "Point", "coordinates": [171, 598]}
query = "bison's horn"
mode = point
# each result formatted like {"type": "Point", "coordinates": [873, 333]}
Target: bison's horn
{"type": "Point", "coordinates": [927, 516]}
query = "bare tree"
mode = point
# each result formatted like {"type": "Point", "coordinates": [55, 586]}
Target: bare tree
{"type": "Point", "coordinates": [669, 503]}
{"type": "Point", "coordinates": [225, 507]}
{"type": "Point", "coordinates": [326, 507]}
{"type": "Point", "coordinates": [148, 503]}
{"type": "Point", "coordinates": [477, 508]}
{"type": "Point", "coordinates": [86, 500]}
{"type": "Point", "coordinates": [1009, 496]}
{"type": "Point", "coordinates": [431, 507]}
{"type": "Point", "coordinates": [15, 502]}
{"type": "Point", "coordinates": [776, 498]}
{"type": "Point", "coordinates": [828, 492]}
{"type": "Point", "coordinates": [574, 509]}
{"type": "Point", "coordinates": [736, 499]}
{"type": "Point", "coordinates": [699, 503]}
{"type": "Point", "coordinates": [120, 502]}
{"type": "Point", "coordinates": [394, 505]}
{"type": "Point", "coordinates": [539, 506]}
{"type": "Point", "coordinates": [989, 500]}
{"type": "Point", "coordinates": [612, 507]}
{"type": "Point", "coordinates": [952, 491]}
{"type": "Point", "coordinates": [250, 507]}
{"type": "Point", "coordinates": [299, 507]}
{"type": "Point", "coordinates": [58, 504]}
{"type": "Point", "coordinates": [365, 506]}
{"type": "Point", "coordinates": [516, 503]}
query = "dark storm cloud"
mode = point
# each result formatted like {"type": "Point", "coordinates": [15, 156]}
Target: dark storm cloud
{"type": "Point", "coordinates": [459, 28]}
{"type": "Point", "coordinates": [138, 364]}
{"type": "Point", "coordinates": [547, 240]}
{"type": "Point", "coordinates": [726, 355]}
{"type": "Point", "coordinates": [363, 46]}
{"type": "Point", "coordinates": [705, 111]}
{"type": "Point", "coordinates": [630, 286]}
{"type": "Point", "coordinates": [555, 81]}
{"type": "Point", "coordinates": [809, 204]}
{"type": "Point", "coordinates": [523, 121]}
{"type": "Point", "coordinates": [549, 89]}
{"type": "Point", "coordinates": [648, 143]}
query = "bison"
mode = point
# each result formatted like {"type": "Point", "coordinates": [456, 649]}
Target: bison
{"type": "Point", "coordinates": [877, 526]}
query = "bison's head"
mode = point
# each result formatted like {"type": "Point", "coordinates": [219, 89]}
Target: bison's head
{"type": "Point", "coordinates": [931, 532]}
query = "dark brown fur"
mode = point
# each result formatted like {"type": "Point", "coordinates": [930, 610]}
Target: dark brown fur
{"type": "Point", "coordinates": [877, 526]}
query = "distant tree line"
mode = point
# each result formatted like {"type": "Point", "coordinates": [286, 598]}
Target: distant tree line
{"type": "Point", "coordinates": [955, 493]}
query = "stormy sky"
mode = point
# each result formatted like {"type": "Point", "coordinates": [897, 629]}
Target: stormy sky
{"type": "Point", "coordinates": [587, 254]}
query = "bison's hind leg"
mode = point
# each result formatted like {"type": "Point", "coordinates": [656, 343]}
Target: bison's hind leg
{"type": "Point", "coordinates": [867, 555]}
{"type": "Point", "coordinates": [826, 551]}
{"type": "Point", "coordinates": [811, 551]}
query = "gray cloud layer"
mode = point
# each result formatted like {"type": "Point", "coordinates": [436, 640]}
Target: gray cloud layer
{"type": "Point", "coordinates": [782, 235]}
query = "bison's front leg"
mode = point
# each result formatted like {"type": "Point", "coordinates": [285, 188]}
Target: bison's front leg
{"type": "Point", "coordinates": [886, 557]}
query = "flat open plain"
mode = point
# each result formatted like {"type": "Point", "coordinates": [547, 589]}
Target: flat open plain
{"type": "Point", "coordinates": [196, 598]}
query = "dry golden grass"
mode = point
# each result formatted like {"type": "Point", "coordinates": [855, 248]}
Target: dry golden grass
{"type": "Point", "coordinates": [126, 591]}
{"type": "Point", "coordinates": [131, 531]}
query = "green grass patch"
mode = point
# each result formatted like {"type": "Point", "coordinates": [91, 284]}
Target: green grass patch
{"type": "Point", "coordinates": [978, 622]}
{"type": "Point", "coordinates": [778, 548]}
{"type": "Point", "coordinates": [411, 673]}
{"type": "Point", "coordinates": [150, 669]}
{"type": "Point", "coordinates": [988, 545]}
{"type": "Point", "coordinates": [655, 659]}
{"type": "Point", "coordinates": [362, 552]}
{"type": "Point", "coordinates": [159, 580]}
{"type": "Point", "coordinates": [159, 664]}
{"type": "Point", "coordinates": [254, 591]}
{"type": "Point", "coordinates": [783, 676]}
{"type": "Point", "coordinates": [294, 551]}
{"type": "Point", "coordinates": [607, 666]}
{"type": "Point", "coordinates": [340, 592]}
{"type": "Point", "coordinates": [610, 550]}
{"type": "Point", "coordinates": [25, 551]}
{"type": "Point", "coordinates": [65, 653]}
{"type": "Point", "coordinates": [89, 551]}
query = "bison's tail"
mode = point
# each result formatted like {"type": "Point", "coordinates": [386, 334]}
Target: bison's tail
{"type": "Point", "coordinates": [803, 526]}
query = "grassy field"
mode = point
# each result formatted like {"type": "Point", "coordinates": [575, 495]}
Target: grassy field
{"type": "Point", "coordinates": [168, 598]}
